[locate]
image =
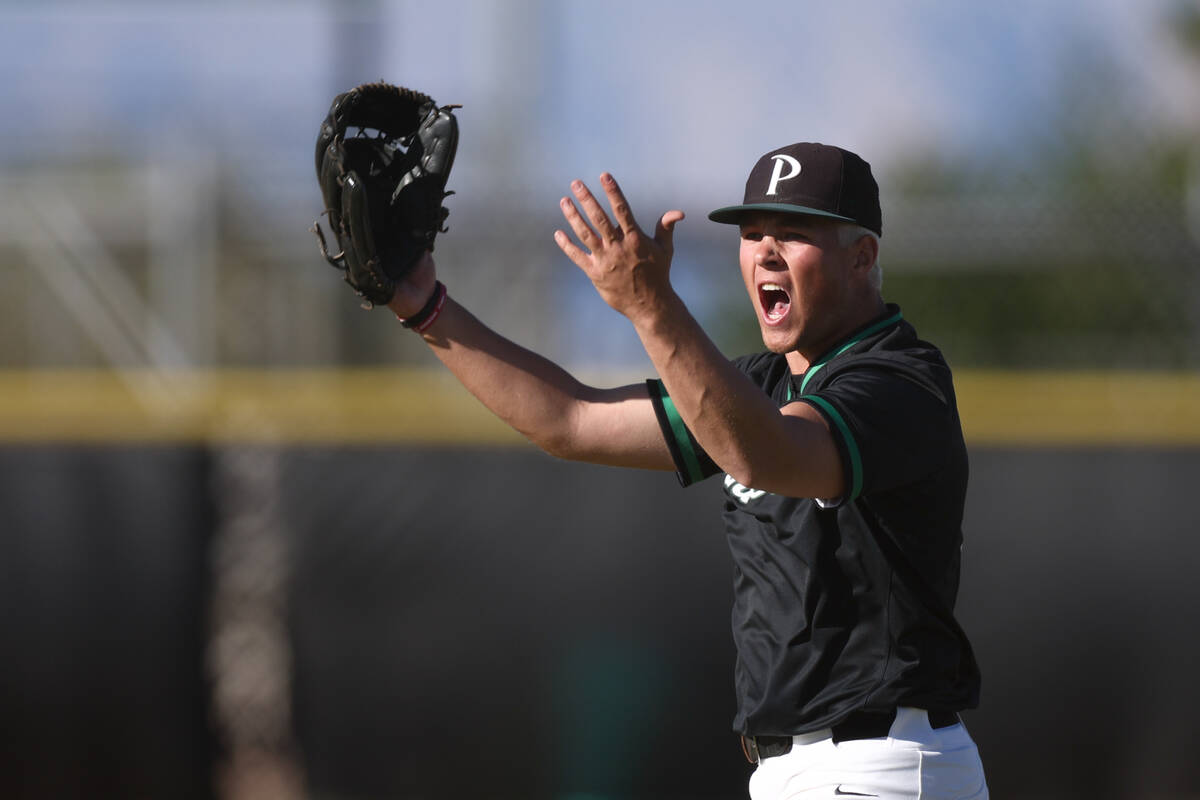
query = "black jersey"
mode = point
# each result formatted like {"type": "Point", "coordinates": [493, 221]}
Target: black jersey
{"type": "Point", "coordinates": [847, 603]}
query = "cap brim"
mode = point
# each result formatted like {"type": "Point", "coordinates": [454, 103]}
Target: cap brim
{"type": "Point", "coordinates": [733, 215]}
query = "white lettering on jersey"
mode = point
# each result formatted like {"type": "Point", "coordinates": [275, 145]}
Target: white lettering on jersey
{"type": "Point", "coordinates": [743, 493]}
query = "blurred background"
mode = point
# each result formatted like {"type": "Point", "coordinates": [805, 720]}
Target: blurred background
{"type": "Point", "coordinates": [254, 545]}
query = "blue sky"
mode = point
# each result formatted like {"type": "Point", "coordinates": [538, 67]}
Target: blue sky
{"type": "Point", "coordinates": [689, 92]}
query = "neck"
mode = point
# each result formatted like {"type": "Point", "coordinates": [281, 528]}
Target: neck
{"type": "Point", "coordinates": [800, 360]}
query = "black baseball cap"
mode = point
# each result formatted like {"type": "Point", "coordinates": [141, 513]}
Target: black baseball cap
{"type": "Point", "coordinates": [813, 179]}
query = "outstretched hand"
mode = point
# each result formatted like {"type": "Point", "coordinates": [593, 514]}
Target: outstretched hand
{"type": "Point", "coordinates": [629, 269]}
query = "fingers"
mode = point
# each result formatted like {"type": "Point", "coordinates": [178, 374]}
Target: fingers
{"type": "Point", "coordinates": [664, 231]}
{"type": "Point", "coordinates": [570, 249]}
{"type": "Point", "coordinates": [604, 227]}
{"type": "Point", "coordinates": [580, 225]}
{"type": "Point", "coordinates": [618, 203]}
{"type": "Point", "coordinates": [592, 225]}
{"type": "Point", "coordinates": [591, 206]}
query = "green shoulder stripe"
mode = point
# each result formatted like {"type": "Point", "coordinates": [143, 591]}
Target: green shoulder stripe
{"type": "Point", "coordinates": [856, 472]}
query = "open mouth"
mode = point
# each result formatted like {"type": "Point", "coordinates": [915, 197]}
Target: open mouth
{"type": "Point", "coordinates": [775, 302]}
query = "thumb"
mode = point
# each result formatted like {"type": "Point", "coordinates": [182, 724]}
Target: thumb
{"type": "Point", "coordinates": [664, 231]}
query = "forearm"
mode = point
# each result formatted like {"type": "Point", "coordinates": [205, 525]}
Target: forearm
{"type": "Point", "coordinates": [544, 402]}
{"type": "Point", "coordinates": [717, 402]}
{"type": "Point", "coordinates": [528, 392]}
{"type": "Point", "coordinates": [735, 422]}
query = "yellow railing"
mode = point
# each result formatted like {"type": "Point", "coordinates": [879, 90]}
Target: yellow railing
{"type": "Point", "coordinates": [419, 406]}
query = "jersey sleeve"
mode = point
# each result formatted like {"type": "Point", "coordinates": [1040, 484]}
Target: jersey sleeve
{"type": "Point", "coordinates": [692, 464]}
{"type": "Point", "coordinates": [891, 428]}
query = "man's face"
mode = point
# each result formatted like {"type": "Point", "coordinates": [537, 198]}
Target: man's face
{"type": "Point", "coordinates": [800, 280]}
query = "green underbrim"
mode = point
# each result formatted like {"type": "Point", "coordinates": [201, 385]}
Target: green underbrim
{"type": "Point", "coordinates": [733, 214]}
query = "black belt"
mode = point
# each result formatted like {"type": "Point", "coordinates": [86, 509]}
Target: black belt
{"type": "Point", "coordinates": [859, 725]}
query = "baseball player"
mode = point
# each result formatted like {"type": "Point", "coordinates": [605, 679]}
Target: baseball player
{"type": "Point", "coordinates": [842, 458]}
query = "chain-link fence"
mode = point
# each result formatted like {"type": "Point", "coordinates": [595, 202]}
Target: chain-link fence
{"type": "Point", "coordinates": [1016, 273]}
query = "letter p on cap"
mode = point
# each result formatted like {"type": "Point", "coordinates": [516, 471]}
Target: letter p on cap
{"type": "Point", "coordinates": [776, 172]}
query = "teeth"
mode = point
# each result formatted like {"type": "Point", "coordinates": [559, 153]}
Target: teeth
{"type": "Point", "coordinates": [772, 287]}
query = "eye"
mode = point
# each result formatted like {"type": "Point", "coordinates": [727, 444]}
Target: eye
{"type": "Point", "coordinates": [752, 236]}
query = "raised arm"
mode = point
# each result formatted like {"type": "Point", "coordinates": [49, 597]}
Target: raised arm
{"type": "Point", "coordinates": [787, 451]}
{"type": "Point", "coordinates": [532, 394]}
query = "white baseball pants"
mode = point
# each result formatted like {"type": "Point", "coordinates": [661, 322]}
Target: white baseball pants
{"type": "Point", "coordinates": [914, 762]}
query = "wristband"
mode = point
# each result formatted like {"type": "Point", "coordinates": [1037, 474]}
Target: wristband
{"type": "Point", "coordinates": [428, 314]}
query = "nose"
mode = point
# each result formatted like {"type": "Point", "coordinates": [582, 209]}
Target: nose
{"type": "Point", "coordinates": [766, 251]}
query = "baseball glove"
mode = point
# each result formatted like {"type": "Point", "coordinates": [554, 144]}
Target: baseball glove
{"type": "Point", "coordinates": [383, 156]}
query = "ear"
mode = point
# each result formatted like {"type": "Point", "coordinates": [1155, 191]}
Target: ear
{"type": "Point", "coordinates": [865, 252]}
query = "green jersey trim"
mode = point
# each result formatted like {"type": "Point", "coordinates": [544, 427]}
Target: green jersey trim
{"type": "Point", "coordinates": [856, 471]}
{"type": "Point", "coordinates": [683, 440]}
{"type": "Point", "coordinates": [858, 337]}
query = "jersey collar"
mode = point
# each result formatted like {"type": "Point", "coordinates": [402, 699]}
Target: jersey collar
{"type": "Point", "coordinates": [892, 317]}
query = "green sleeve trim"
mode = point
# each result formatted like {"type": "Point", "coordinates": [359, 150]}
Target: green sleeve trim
{"type": "Point", "coordinates": [856, 473]}
{"type": "Point", "coordinates": [683, 441]}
